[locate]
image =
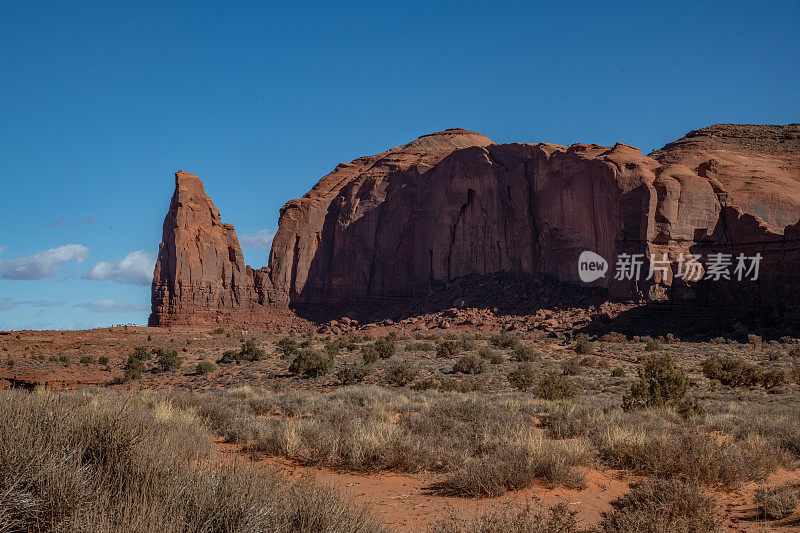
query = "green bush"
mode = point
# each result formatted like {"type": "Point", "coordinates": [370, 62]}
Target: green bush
{"type": "Point", "coordinates": [168, 361]}
{"type": "Point", "coordinates": [103, 360]}
{"type": "Point", "coordinates": [522, 377]}
{"type": "Point", "coordinates": [553, 386]}
{"type": "Point", "coordinates": [618, 373]}
{"type": "Point", "coordinates": [204, 367]}
{"type": "Point", "coordinates": [522, 353]}
{"type": "Point", "coordinates": [420, 347]}
{"type": "Point", "coordinates": [493, 356]}
{"type": "Point", "coordinates": [582, 345]}
{"type": "Point", "coordinates": [385, 347]}
{"type": "Point", "coordinates": [448, 349]}
{"type": "Point", "coordinates": [571, 367]}
{"type": "Point", "coordinates": [134, 367]}
{"type": "Point", "coordinates": [736, 372]}
{"type": "Point", "coordinates": [400, 374]}
{"type": "Point", "coordinates": [351, 375]}
{"type": "Point", "coordinates": [310, 364]}
{"type": "Point", "coordinates": [661, 384]}
{"type": "Point", "coordinates": [653, 345]}
{"type": "Point", "coordinates": [504, 340]}
{"type": "Point", "coordinates": [250, 351]}
{"type": "Point", "coordinates": [287, 346]}
{"type": "Point", "coordinates": [369, 353]}
{"type": "Point", "coordinates": [470, 364]}
{"type": "Point", "coordinates": [88, 360]}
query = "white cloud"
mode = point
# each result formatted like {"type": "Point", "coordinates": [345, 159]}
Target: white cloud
{"type": "Point", "coordinates": [112, 306]}
{"type": "Point", "coordinates": [44, 264]}
{"type": "Point", "coordinates": [261, 240]}
{"type": "Point", "coordinates": [61, 223]}
{"type": "Point", "coordinates": [136, 267]}
{"type": "Point", "coordinates": [8, 303]}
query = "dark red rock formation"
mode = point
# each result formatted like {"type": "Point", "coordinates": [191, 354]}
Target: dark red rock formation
{"type": "Point", "coordinates": [407, 222]}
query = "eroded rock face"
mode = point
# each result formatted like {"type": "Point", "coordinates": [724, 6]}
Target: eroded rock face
{"type": "Point", "coordinates": [404, 223]}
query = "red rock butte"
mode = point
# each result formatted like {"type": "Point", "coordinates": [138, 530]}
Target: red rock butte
{"type": "Point", "coordinates": [400, 225]}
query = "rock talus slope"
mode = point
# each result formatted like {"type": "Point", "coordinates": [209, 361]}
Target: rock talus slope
{"type": "Point", "coordinates": [404, 223]}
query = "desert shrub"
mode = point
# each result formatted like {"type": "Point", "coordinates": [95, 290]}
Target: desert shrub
{"type": "Point", "coordinates": [218, 331]}
{"type": "Point", "coordinates": [522, 353]}
{"type": "Point", "coordinates": [142, 353]}
{"type": "Point", "coordinates": [448, 349]}
{"type": "Point", "coordinates": [583, 345]}
{"type": "Point", "coordinates": [341, 344]}
{"type": "Point", "coordinates": [554, 386]}
{"type": "Point", "coordinates": [386, 347]}
{"type": "Point", "coordinates": [618, 372]}
{"type": "Point", "coordinates": [504, 340]}
{"type": "Point", "coordinates": [522, 377]}
{"type": "Point", "coordinates": [310, 364]}
{"type": "Point", "coordinates": [88, 360]}
{"type": "Point", "coordinates": [133, 368]}
{"type": "Point", "coordinates": [103, 360]}
{"type": "Point", "coordinates": [776, 502]}
{"type": "Point", "coordinates": [422, 346]}
{"type": "Point", "coordinates": [468, 343]}
{"type": "Point", "coordinates": [400, 374]}
{"type": "Point", "coordinates": [287, 346]}
{"type": "Point", "coordinates": [661, 384]}
{"type": "Point", "coordinates": [653, 345]}
{"type": "Point", "coordinates": [369, 354]}
{"type": "Point", "coordinates": [737, 372]}
{"type": "Point", "coordinates": [659, 506]}
{"type": "Point", "coordinates": [513, 518]}
{"type": "Point", "coordinates": [10, 362]}
{"type": "Point", "coordinates": [470, 364]}
{"type": "Point", "coordinates": [614, 336]}
{"type": "Point", "coordinates": [63, 359]}
{"type": "Point", "coordinates": [491, 355]}
{"type": "Point", "coordinates": [228, 356]}
{"type": "Point", "coordinates": [571, 367]}
{"type": "Point", "coordinates": [251, 351]}
{"type": "Point", "coordinates": [351, 375]}
{"type": "Point", "coordinates": [168, 360]}
{"type": "Point", "coordinates": [204, 367]}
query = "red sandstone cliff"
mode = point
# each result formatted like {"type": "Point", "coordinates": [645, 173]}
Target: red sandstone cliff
{"type": "Point", "coordinates": [403, 223]}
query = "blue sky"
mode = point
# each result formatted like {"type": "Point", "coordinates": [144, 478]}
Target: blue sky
{"type": "Point", "coordinates": [102, 101]}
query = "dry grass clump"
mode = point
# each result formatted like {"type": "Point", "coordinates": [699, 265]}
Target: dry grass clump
{"type": "Point", "coordinates": [777, 502]}
{"type": "Point", "coordinates": [661, 443]}
{"type": "Point", "coordinates": [662, 506]}
{"type": "Point", "coordinates": [514, 518]}
{"type": "Point", "coordinates": [103, 463]}
{"type": "Point", "coordinates": [481, 441]}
